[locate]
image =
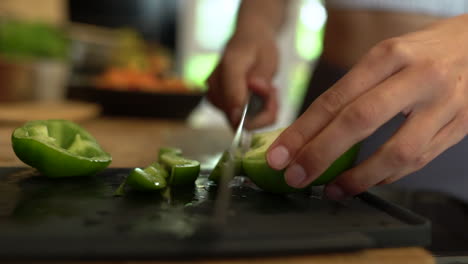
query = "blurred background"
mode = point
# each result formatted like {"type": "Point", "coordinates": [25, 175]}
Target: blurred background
{"type": "Point", "coordinates": [139, 58]}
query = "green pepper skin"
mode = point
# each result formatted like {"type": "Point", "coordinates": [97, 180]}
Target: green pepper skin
{"type": "Point", "coordinates": [171, 170]}
{"type": "Point", "coordinates": [151, 178]}
{"type": "Point", "coordinates": [164, 150]}
{"type": "Point", "coordinates": [256, 167]}
{"type": "Point", "coordinates": [182, 171]}
{"type": "Point", "coordinates": [59, 148]}
{"type": "Point", "coordinates": [216, 173]}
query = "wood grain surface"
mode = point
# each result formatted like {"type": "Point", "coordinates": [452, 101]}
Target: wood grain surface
{"type": "Point", "coordinates": [374, 256]}
{"type": "Point", "coordinates": [20, 112]}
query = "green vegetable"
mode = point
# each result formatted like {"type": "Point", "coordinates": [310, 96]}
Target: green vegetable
{"type": "Point", "coordinates": [26, 40]}
{"type": "Point", "coordinates": [59, 148]}
{"type": "Point", "coordinates": [150, 178]}
{"type": "Point", "coordinates": [218, 170]}
{"type": "Point", "coordinates": [256, 167]}
{"type": "Point", "coordinates": [182, 171]}
{"type": "Point", "coordinates": [171, 170]}
{"type": "Point", "coordinates": [164, 150]}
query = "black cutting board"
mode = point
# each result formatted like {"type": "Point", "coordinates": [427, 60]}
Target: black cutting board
{"type": "Point", "coordinates": [74, 218]}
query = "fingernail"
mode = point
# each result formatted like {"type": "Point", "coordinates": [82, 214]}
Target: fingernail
{"type": "Point", "coordinates": [334, 192]}
{"type": "Point", "coordinates": [295, 176]}
{"type": "Point", "coordinates": [278, 157]}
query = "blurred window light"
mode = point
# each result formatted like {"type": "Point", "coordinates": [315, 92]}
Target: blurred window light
{"type": "Point", "coordinates": [313, 14]}
{"type": "Point", "coordinates": [312, 18]}
{"type": "Point", "coordinates": [215, 22]}
{"type": "Point", "coordinates": [299, 76]}
{"type": "Point", "coordinates": [198, 68]}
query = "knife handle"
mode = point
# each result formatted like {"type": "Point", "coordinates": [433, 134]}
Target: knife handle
{"type": "Point", "coordinates": [256, 104]}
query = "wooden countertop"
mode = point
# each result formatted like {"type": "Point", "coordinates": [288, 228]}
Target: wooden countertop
{"type": "Point", "coordinates": [134, 143]}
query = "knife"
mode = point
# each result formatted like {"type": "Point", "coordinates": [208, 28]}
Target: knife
{"type": "Point", "coordinates": [240, 142]}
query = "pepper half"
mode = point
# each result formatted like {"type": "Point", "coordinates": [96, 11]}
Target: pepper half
{"type": "Point", "coordinates": [256, 167]}
{"type": "Point", "coordinates": [59, 148]}
{"type": "Point", "coordinates": [222, 165]}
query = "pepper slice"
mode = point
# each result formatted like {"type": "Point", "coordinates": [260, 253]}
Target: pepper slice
{"type": "Point", "coordinates": [150, 178]}
{"type": "Point", "coordinates": [183, 171]}
{"type": "Point", "coordinates": [171, 170]}
{"type": "Point", "coordinates": [59, 148]}
{"type": "Point", "coordinates": [164, 150]}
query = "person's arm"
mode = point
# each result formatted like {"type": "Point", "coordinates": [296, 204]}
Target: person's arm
{"type": "Point", "coordinates": [271, 13]}
{"type": "Point", "coordinates": [423, 74]}
{"type": "Point", "coordinates": [249, 61]}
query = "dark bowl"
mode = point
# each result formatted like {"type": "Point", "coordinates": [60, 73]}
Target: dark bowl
{"type": "Point", "coordinates": [138, 103]}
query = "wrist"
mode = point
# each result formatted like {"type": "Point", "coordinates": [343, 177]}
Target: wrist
{"type": "Point", "coordinates": [253, 30]}
{"type": "Point", "coordinates": [261, 15]}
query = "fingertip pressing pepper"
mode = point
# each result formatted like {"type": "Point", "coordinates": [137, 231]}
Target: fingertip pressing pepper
{"type": "Point", "coordinates": [59, 148]}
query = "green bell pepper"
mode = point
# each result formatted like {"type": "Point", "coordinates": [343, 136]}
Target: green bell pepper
{"type": "Point", "coordinates": [255, 165]}
{"type": "Point", "coordinates": [171, 170]}
{"type": "Point", "coordinates": [150, 178]}
{"type": "Point", "coordinates": [164, 150]}
{"type": "Point", "coordinates": [219, 168]}
{"type": "Point", "coordinates": [59, 148]}
{"type": "Point", "coordinates": [182, 171]}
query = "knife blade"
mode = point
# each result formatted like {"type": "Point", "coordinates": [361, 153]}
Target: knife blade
{"type": "Point", "coordinates": [240, 142]}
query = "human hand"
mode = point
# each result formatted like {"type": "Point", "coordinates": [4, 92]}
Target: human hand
{"type": "Point", "coordinates": [249, 62]}
{"type": "Point", "coordinates": [423, 75]}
